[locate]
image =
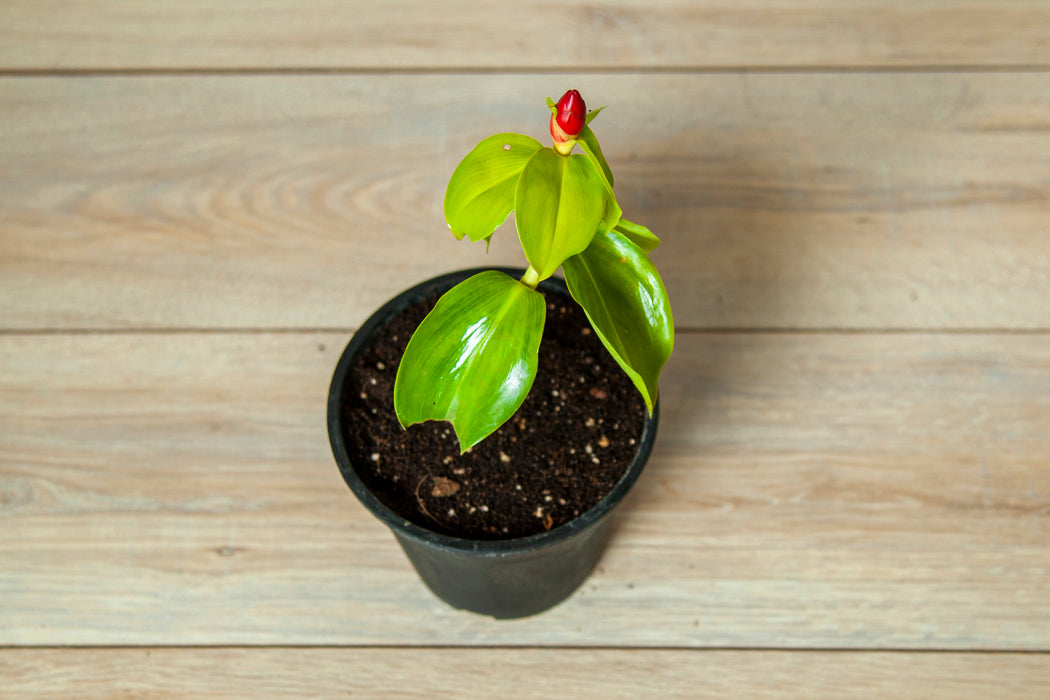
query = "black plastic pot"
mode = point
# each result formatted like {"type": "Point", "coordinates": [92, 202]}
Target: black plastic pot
{"type": "Point", "coordinates": [501, 578]}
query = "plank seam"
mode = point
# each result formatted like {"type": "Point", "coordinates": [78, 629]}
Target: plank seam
{"type": "Point", "coordinates": [529, 647]}
{"type": "Point", "coordinates": [10, 72]}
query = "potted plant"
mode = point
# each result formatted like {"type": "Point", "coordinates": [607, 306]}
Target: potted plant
{"type": "Point", "coordinates": [494, 418]}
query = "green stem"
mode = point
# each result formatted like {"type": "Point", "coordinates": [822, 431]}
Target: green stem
{"type": "Point", "coordinates": [531, 278]}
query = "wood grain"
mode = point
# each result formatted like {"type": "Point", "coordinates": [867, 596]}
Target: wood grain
{"type": "Point", "coordinates": [851, 491]}
{"type": "Point", "coordinates": [522, 673]}
{"type": "Point", "coordinates": [911, 201]}
{"type": "Point", "coordinates": [524, 34]}
{"type": "Point", "coordinates": [847, 491]}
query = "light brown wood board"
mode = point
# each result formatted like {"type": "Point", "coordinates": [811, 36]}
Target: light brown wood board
{"type": "Point", "coordinates": [841, 491]}
{"type": "Point", "coordinates": [825, 201]}
{"type": "Point", "coordinates": [520, 34]}
{"type": "Point", "coordinates": [518, 673]}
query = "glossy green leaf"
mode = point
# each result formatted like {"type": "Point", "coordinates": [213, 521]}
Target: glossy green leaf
{"type": "Point", "coordinates": [480, 194]}
{"type": "Point", "coordinates": [589, 143]}
{"type": "Point", "coordinates": [638, 234]}
{"type": "Point", "coordinates": [612, 216]}
{"type": "Point", "coordinates": [624, 298]}
{"type": "Point", "coordinates": [473, 358]}
{"type": "Point", "coordinates": [558, 205]}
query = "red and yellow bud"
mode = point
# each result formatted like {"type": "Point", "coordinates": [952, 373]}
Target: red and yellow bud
{"type": "Point", "coordinates": [568, 121]}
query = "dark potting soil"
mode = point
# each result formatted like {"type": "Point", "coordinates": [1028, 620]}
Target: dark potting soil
{"type": "Point", "coordinates": [564, 449]}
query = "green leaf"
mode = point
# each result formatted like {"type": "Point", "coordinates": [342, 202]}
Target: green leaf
{"type": "Point", "coordinates": [638, 234]}
{"type": "Point", "coordinates": [589, 143]}
{"type": "Point", "coordinates": [473, 358]}
{"type": "Point", "coordinates": [558, 205]}
{"type": "Point", "coordinates": [624, 298]}
{"type": "Point", "coordinates": [480, 193]}
{"type": "Point", "coordinates": [611, 219]}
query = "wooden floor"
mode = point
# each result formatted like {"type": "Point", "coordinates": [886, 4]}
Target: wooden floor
{"type": "Point", "coordinates": [200, 201]}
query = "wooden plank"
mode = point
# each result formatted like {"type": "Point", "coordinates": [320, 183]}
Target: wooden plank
{"type": "Point", "coordinates": [784, 201]}
{"type": "Point", "coordinates": [519, 673]}
{"type": "Point", "coordinates": [808, 490]}
{"type": "Point", "coordinates": [79, 34]}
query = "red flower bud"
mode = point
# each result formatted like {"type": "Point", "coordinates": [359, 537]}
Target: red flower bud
{"type": "Point", "coordinates": [570, 118]}
{"type": "Point", "coordinates": [572, 112]}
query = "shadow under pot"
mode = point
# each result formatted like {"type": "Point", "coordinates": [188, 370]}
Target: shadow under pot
{"type": "Point", "coordinates": [515, 525]}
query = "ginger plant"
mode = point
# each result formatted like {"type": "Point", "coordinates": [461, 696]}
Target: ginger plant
{"type": "Point", "coordinates": [473, 359]}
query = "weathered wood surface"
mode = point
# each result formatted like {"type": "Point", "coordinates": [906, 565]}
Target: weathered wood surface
{"type": "Point", "coordinates": [845, 491]}
{"type": "Point", "coordinates": [520, 34]}
{"type": "Point", "coordinates": [522, 673]}
{"type": "Point", "coordinates": [827, 201]}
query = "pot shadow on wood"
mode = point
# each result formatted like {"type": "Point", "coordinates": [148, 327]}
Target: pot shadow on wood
{"type": "Point", "coordinates": [727, 224]}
